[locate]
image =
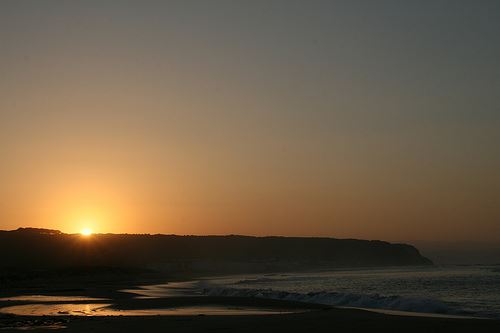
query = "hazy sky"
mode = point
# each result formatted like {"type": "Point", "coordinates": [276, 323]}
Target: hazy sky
{"type": "Point", "coordinates": [362, 119]}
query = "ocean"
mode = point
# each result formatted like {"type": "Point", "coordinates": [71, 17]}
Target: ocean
{"type": "Point", "coordinates": [447, 290]}
{"type": "Point", "coordinates": [469, 291]}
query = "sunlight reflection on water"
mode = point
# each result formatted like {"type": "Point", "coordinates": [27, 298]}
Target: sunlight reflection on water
{"type": "Point", "coordinates": [107, 310]}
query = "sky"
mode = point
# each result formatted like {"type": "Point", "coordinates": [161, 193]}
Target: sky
{"type": "Point", "coordinates": [349, 119]}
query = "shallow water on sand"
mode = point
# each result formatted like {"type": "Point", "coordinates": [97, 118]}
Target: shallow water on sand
{"type": "Point", "coordinates": [172, 289]}
{"type": "Point", "coordinates": [108, 310]}
{"type": "Point", "coordinates": [48, 298]}
{"type": "Point", "coordinates": [43, 305]}
{"type": "Point", "coordinates": [56, 309]}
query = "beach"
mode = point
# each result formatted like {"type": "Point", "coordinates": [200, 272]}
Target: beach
{"type": "Point", "coordinates": [326, 320]}
{"type": "Point", "coordinates": [205, 314]}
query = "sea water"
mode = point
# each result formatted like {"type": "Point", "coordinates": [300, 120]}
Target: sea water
{"type": "Point", "coordinates": [451, 290]}
{"type": "Point", "coordinates": [470, 291]}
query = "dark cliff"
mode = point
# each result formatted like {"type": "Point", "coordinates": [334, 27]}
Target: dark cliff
{"type": "Point", "coordinates": [45, 249]}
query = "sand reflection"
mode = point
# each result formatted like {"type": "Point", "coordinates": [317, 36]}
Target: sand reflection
{"type": "Point", "coordinates": [108, 310]}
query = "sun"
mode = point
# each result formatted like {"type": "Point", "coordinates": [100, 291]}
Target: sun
{"type": "Point", "coordinates": [86, 232]}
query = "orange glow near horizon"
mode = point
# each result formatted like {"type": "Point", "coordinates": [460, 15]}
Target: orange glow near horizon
{"type": "Point", "coordinates": [86, 232]}
{"type": "Point", "coordinates": [167, 119]}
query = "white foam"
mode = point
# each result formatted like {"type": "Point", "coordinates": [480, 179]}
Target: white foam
{"type": "Point", "coordinates": [376, 301]}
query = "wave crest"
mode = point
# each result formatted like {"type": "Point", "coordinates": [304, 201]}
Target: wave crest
{"type": "Point", "coordinates": [344, 299]}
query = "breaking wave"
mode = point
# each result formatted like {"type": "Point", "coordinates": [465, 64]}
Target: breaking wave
{"type": "Point", "coordinates": [374, 301]}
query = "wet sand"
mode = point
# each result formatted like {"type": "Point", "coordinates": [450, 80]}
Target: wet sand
{"type": "Point", "coordinates": [211, 314]}
{"type": "Point", "coordinates": [339, 320]}
{"type": "Point", "coordinates": [185, 306]}
{"type": "Point", "coordinates": [328, 320]}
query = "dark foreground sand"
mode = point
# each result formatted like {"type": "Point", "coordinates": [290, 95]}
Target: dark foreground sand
{"type": "Point", "coordinates": [301, 317]}
{"type": "Point", "coordinates": [331, 320]}
{"type": "Point", "coordinates": [311, 319]}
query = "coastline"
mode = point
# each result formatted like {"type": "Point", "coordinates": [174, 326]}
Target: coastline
{"type": "Point", "coordinates": [344, 320]}
{"type": "Point", "coordinates": [276, 316]}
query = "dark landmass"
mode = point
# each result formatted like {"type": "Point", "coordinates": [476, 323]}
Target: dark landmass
{"type": "Point", "coordinates": [29, 253]}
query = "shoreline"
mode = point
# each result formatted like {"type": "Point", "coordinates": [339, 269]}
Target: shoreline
{"type": "Point", "coordinates": [288, 316]}
{"type": "Point", "coordinates": [326, 320]}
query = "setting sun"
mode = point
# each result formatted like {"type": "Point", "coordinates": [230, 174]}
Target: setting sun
{"type": "Point", "coordinates": [86, 232]}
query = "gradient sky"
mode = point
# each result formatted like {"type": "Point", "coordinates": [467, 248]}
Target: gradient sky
{"type": "Point", "coordinates": [362, 119]}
